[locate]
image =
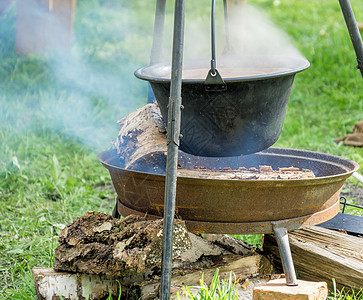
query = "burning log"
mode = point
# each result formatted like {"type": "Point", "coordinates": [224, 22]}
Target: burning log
{"type": "Point", "coordinates": [141, 146]}
{"type": "Point", "coordinates": [141, 142]}
{"type": "Point", "coordinates": [262, 173]}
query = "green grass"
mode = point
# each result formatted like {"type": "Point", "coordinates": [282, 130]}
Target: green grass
{"type": "Point", "coordinates": [58, 111]}
{"type": "Point", "coordinates": [226, 289]}
{"type": "Point", "coordinates": [217, 290]}
{"type": "Point", "coordinates": [344, 294]}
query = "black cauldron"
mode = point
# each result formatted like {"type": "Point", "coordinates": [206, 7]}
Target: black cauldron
{"type": "Point", "coordinates": [243, 117]}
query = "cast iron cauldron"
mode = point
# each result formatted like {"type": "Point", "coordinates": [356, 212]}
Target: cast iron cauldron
{"type": "Point", "coordinates": [245, 118]}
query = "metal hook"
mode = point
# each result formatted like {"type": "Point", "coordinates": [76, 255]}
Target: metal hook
{"type": "Point", "coordinates": [214, 82]}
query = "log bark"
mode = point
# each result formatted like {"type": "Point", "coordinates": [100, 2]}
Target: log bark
{"type": "Point", "coordinates": [98, 244]}
{"type": "Point", "coordinates": [129, 250]}
{"type": "Point", "coordinates": [52, 285]}
{"type": "Point", "coordinates": [321, 254]}
{"type": "Point", "coordinates": [141, 141]}
{"type": "Point", "coordinates": [141, 146]}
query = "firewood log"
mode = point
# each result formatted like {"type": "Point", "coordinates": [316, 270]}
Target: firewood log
{"type": "Point", "coordinates": [321, 254]}
{"type": "Point", "coordinates": [141, 146]}
{"type": "Point", "coordinates": [130, 250]}
{"type": "Point", "coordinates": [141, 142]}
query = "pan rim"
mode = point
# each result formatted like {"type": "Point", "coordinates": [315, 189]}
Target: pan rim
{"type": "Point", "coordinates": [348, 165]}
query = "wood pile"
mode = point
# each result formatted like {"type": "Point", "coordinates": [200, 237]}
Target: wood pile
{"type": "Point", "coordinates": [130, 249]}
{"type": "Point", "coordinates": [321, 254]}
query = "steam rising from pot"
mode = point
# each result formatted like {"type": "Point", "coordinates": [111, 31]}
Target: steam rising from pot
{"type": "Point", "coordinates": [251, 32]}
{"type": "Point", "coordinates": [84, 92]}
{"type": "Point", "coordinates": [79, 93]}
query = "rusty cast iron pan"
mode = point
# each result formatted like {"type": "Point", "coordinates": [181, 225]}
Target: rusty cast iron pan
{"type": "Point", "coordinates": [244, 118]}
{"type": "Point", "coordinates": [237, 201]}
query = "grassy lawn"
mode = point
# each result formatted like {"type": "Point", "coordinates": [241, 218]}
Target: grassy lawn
{"type": "Point", "coordinates": [57, 112]}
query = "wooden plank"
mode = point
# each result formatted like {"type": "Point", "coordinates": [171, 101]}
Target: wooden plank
{"type": "Point", "coordinates": [321, 254]}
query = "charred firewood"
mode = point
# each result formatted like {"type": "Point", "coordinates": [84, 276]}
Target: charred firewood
{"type": "Point", "coordinates": [141, 141]}
{"type": "Point", "coordinates": [141, 146]}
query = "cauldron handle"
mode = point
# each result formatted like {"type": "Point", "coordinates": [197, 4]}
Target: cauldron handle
{"type": "Point", "coordinates": [214, 81]}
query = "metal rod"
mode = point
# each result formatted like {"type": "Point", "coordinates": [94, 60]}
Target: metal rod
{"type": "Point", "coordinates": [213, 33]}
{"type": "Point", "coordinates": [228, 48]}
{"type": "Point", "coordinates": [282, 239]}
{"type": "Point", "coordinates": [173, 138]}
{"type": "Point", "coordinates": [353, 205]}
{"type": "Point", "coordinates": [344, 203]}
{"type": "Point", "coordinates": [157, 46]}
{"type": "Point", "coordinates": [353, 31]}
{"type": "Point", "coordinates": [226, 21]}
{"type": "Point", "coordinates": [357, 176]}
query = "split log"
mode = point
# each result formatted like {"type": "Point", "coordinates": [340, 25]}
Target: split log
{"type": "Point", "coordinates": [141, 142]}
{"type": "Point", "coordinates": [242, 173]}
{"type": "Point", "coordinates": [321, 254]}
{"type": "Point", "coordinates": [53, 285]}
{"type": "Point", "coordinates": [98, 244]}
{"type": "Point", "coordinates": [129, 250]}
{"type": "Point", "coordinates": [141, 146]}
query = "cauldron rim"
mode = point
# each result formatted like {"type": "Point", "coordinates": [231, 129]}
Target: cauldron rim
{"type": "Point", "coordinates": [153, 73]}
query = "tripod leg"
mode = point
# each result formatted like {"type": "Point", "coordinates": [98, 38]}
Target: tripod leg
{"type": "Point", "coordinates": [285, 253]}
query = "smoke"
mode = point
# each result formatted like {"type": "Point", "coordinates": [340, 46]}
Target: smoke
{"type": "Point", "coordinates": [81, 90]}
{"type": "Point", "coordinates": [249, 31]}
{"type": "Point", "coordinates": [252, 32]}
